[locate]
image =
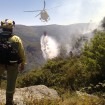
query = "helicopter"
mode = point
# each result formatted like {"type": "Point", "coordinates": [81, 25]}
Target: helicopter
{"type": "Point", "coordinates": [44, 17]}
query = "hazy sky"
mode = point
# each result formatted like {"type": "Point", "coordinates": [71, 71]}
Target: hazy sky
{"type": "Point", "coordinates": [67, 12]}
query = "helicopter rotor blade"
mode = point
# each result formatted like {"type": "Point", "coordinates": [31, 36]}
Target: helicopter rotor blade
{"type": "Point", "coordinates": [37, 15]}
{"type": "Point", "coordinates": [33, 11]}
{"type": "Point", "coordinates": [54, 7]}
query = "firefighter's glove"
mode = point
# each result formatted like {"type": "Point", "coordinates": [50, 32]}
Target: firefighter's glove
{"type": "Point", "coordinates": [21, 67]}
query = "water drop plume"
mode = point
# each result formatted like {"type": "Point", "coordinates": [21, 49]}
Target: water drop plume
{"type": "Point", "coordinates": [49, 47]}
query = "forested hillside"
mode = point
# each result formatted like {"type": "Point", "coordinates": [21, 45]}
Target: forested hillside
{"type": "Point", "coordinates": [63, 34]}
{"type": "Point", "coordinates": [73, 72]}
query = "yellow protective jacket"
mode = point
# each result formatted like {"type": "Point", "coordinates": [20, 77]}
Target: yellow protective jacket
{"type": "Point", "coordinates": [17, 39]}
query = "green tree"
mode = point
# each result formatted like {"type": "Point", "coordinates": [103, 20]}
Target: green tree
{"type": "Point", "coordinates": [94, 57]}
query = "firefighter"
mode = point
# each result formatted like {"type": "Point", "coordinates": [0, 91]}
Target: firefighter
{"type": "Point", "coordinates": [13, 67]}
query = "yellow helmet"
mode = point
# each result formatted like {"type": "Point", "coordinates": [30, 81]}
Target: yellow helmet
{"type": "Point", "coordinates": [9, 24]}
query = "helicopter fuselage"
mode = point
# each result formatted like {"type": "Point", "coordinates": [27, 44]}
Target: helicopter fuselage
{"type": "Point", "coordinates": [44, 15]}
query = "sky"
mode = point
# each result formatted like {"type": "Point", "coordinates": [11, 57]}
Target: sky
{"type": "Point", "coordinates": [61, 12]}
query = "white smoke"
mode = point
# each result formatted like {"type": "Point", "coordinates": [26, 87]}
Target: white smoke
{"type": "Point", "coordinates": [49, 47]}
{"type": "Point", "coordinates": [77, 41]}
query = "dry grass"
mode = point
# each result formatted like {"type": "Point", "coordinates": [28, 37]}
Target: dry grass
{"type": "Point", "coordinates": [67, 99]}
